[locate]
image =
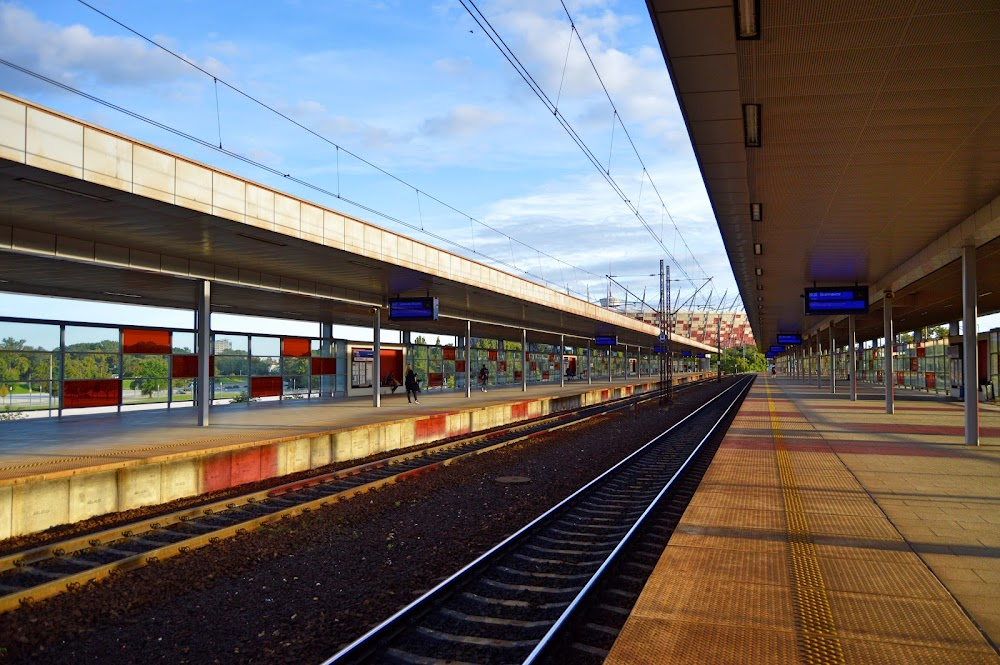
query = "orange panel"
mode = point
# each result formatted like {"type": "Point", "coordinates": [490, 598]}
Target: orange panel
{"type": "Point", "coordinates": [492, 354]}
{"type": "Point", "coordinates": [459, 365]}
{"type": "Point", "coordinates": [92, 392]}
{"type": "Point", "coordinates": [265, 386]}
{"type": "Point", "coordinates": [186, 366]}
{"type": "Point", "coordinates": [435, 379]}
{"type": "Point", "coordinates": [322, 366]}
{"type": "Point", "coordinates": [135, 340]}
{"type": "Point", "coordinates": [449, 353]}
{"type": "Point", "coordinates": [295, 347]}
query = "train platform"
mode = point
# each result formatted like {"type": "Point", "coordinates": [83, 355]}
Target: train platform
{"type": "Point", "coordinates": [56, 471]}
{"type": "Point", "coordinates": [826, 531]}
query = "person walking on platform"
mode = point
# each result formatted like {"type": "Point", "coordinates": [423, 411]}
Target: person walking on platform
{"type": "Point", "coordinates": [412, 387]}
{"type": "Point", "coordinates": [484, 377]}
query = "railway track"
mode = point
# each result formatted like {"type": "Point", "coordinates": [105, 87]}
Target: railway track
{"type": "Point", "coordinates": [559, 589]}
{"type": "Point", "coordinates": [42, 572]}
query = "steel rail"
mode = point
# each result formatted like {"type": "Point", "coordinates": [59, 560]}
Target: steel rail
{"type": "Point", "coordinates": [80, 552]}
{"type": "Point", "coordinates": [374, 639]}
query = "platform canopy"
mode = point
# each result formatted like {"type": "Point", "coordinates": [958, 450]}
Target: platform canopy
{"type": "Point", "coordinates": [88, 213]}
{"type": "Point", "coordinates": [845, 143]}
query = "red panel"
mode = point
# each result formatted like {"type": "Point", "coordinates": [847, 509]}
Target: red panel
{"type": "Point", "coordinates": [545, 376]}
{"type": "Point", "coordinates": [449, 353]}
{"type": "Point", "coordinates": [435, 379]}
{"type": "Point", "coordinates": [255, 464]}
{"type": "Point", "coordinates": [503, 366]}
{"type": "Point", "coordinates": [929, 380]}
{"type": "Point", "coordinates": [296, 347]}
{"type": "Point", "coordinates": [265, 386]}
{"type": "Point", "coordinates": [186, 367]}
{"type": "Point", "coordinates": [517, 375]}
{"type": "Point", "coordinates": [899, 378]}
{"type": "Point", "coordinates": [921, 352]}
{"type": "Point", "coordinates": [983, 360]}
{"type": "Point", "coordinates": [391, 360]}
{"type": "Point", "coordinates": [217, 473]}
{"type": "Point", "coordinates": [92, 392]}
{"type": "Point", "coordinates": [551, 357]}
{"type": "Point", "coordinates": [459, 365]}
{"type": "Point", "coordinates": [519, 411]}
{"type": "Point", "coordinates": [434, 427]}
{"type": "Point", "coordinates": [323, 366]}
{"type": "Point", "coordinates": [531, 366]}
{"type": "Point", "coordinates": [913, 364]}
{"type": "Point", "coordinates": [145, 341]}
{"type": "Point", "coordinates": [492, 354]}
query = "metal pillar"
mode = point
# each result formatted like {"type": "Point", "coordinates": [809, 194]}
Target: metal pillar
{"type": "Point", "coordinates": [852, 363]}
{"type": "Point", "coordinates": [524, 360]}
{"type": "Point", "coordinates": [377, 358]}
{"type": "Point", "coordinates": [611, 373]}
{"type": "Point", "coordinates": [205, 390]}
{"type": "Point", "coordinates": [326, 382]}
{"type": "Point", "coordinates": [468, 358]}
{"type": "Point", "coordinates": [970, 348]}
{"type": "Point", "coordinates": [819, 365]}
{"type": "Point", "coordinates": [562, 370]}
{"type": "Point", "coordinates": [833, 362]}
{"type": "Point", "coordinates": [887, 351]}
{"type": "Point", "coordinates": [590, 365]}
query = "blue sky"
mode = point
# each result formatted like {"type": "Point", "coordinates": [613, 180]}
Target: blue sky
{"type": "Point", "coordinates": [420, 91]}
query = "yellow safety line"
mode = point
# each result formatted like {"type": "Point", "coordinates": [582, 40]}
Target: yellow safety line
{"type": "Point", "coordinates": [818, 639]}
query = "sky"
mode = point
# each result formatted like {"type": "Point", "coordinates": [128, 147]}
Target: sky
{"type": "Point", "coordinates": [410, 110]}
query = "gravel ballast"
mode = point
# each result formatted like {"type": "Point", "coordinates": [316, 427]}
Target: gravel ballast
{"type": "Point", "coordinates": [298, 590]}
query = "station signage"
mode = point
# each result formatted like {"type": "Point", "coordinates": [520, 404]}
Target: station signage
{"type": "Point", "coordinates": [686, 354]}
{"type": "Point", "coordinates": [606, 340]}
{"type": "Point", "coordinates": [659, 349]}
{"type": "Point", "coordinates": [776, 349]}
{"type": "Point", "coordinates": [789, 339]}
{"type": "Point", "coordinates": [413, 309]}
{"type": "Point", "coordinates": [837, 300]}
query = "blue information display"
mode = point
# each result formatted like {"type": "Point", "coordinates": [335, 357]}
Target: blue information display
{"type": "Point", "coordinates": [837, 300]}
{"type": "Point", "coordinates": [789, 339]}
{"type": "Point", "coordinates": [606, 340]}
{"type": "Point", "coordinates": [686, 354]}
{"type": "Point", "coordinates": [413, 309]}
{"type": "Point", "coordinates": [776, 349]}
{"type": "Point", "coordinates": [659, 349]}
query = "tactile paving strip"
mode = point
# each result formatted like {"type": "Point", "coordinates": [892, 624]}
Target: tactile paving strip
{"type": "Point", "coordinates": [817, 640]}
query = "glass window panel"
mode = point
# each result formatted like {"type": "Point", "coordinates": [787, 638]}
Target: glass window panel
{"type": "Point", "coordinates": [91, 338]}
{"type": "Point", "coordinates": [27, 396]}
{"type": "Point", "coordinates": [265, 345]}
{"type": "Point", "coordinates": [265, 365]}
{"type": "Point", "coordinates": [28, 336]}
{"type": "Point", "coordinates": [91, 365]}
{"type": "Point", "coordinates": [183, 342]}
{"type": "Point", "coordinates": [22, 365]}
{"type": "Point", "coordinates": [295, 367]}
{"type": "Point", "coordinates": [146, 366]}
{"type": "Point", "coordinates": [322, 366]}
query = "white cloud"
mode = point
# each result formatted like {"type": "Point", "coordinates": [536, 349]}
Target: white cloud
{"type": "Point", "coordinates": [461, 121]}
{"type": "Point", "coordinates": [74, 53]}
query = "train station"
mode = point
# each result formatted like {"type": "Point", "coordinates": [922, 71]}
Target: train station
{"type": "Point", "coordinates": [843, 505]}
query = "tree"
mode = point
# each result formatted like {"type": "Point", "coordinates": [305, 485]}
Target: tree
{"type": "Point", "coordinates": [152, 375]}
{"type": "Point", "coordinates": [937, 332]}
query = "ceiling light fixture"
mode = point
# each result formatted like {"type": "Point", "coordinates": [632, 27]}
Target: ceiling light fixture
{"type": "Point", "coordinates": [751, 125]}
{"type": "Point", "coordinates": [120, 295]}
{"type": "Point", "coordinates": [758, 249]}
{"type": "Point", "coordinates": [760, 271]}
{"type": "Point", "coordinates": [747, 19]}
{"type": "Point", "coordinates": [755, 212]}
{"type": "Point", "coordinates": [65, 190]}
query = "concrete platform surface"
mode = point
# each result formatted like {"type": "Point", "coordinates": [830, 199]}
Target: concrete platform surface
{"type": "Point", "coordinates": [827, 531]}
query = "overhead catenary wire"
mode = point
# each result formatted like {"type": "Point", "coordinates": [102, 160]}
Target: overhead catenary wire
{"type": "Point", "coordinates": [322, 138]}
{"type": "Point", "coordinates": [523, 72]}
